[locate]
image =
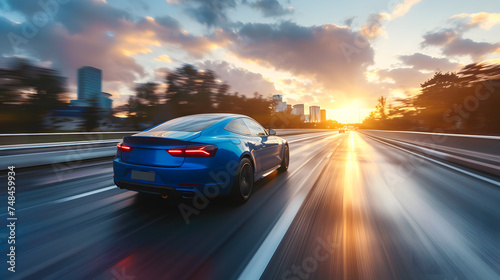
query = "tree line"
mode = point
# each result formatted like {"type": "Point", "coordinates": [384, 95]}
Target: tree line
{"type": "Point", "coordinates": [27, 94]}
{"type": "Point", "coordinates": [30, 93]}
{"type": "Point", "coordinates": [189, 90]}
{"type": "Point", "coordinates": [466, 101]}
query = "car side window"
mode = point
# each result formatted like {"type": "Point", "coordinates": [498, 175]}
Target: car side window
{"type": "Point", "coordinates": [255, 128]}
{"type": "Point", "coordinates": [237, 126]}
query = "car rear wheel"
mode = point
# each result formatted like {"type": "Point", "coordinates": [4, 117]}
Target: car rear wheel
{"type": "Point", "coordinates": [243, 182]}
{"type": "Point", "coordinates": [285, 161]}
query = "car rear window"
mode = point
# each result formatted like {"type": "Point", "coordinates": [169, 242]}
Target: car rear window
{"type": "Point", "coordinates": [189, 123]}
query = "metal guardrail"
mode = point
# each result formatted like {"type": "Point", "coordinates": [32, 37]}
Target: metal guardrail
{"type": "Point", "coordinates": [488, 145]}
{"type": "Point", "coordinates": [39, 138]}
{"type": "Point", "coordinates": [479, 152]}
{"type": "Point", "coordinates": [27, 155]}
{"type": "Point", "coordinates": [55, 145]}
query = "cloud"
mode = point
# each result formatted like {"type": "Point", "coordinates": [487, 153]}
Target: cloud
{"type": "Point", "coordinates": [164, 58]}
{"type": "Point", "coordinates": [403, 77]}
{"type": "Point", "coordinates": [411, 77]}
{"type": "Point", "coordinates": [239, 79]}
{"type": "Point", "coordinates": [75, 15]}
{"type": "Point", "coordinates": [440, 38]}
{"type": "Point", "coordinates": [482, 20]}
{"type": "Point", "coordinates": [421, 61]}
{"type": "Point", "coordinates": [312, 52]}
{"type": "Point", "coordinates": [271, 8]}
{"type": "Point", "coordinates": [208, 12]}
{"type": "Point", "coordinates": [476, 50]}
{"type": "Point", "coordinates": [402, 9]}
{"type": "Point", "coordinates": [374, 25]}
{"type": "Point", "coordinates": [348, 22]}
{"type": "Point", "coordinates": [108, 39]}
{"type": "Point", "coordinates": [453, 44]}
{"type": "Point", "coordinates": [160, 74]}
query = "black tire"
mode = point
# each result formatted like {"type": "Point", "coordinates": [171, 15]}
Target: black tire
{"type": "Point", "coordinates": [285, 161]}
{"type": "Point", "coordinates": [243, 182]}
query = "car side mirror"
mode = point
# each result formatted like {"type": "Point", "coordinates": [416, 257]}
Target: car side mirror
{"type": "Point", "coordinates": [272, 132]}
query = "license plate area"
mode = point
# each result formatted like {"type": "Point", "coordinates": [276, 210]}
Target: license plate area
{"type": "Point", "coordinates": [143, 175]}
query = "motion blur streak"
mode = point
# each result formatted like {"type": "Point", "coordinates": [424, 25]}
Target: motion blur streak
{"type": "Point", "coordinates": [356, 237]}
{"type": "Point", "coordinates": [370, 211]}
{"type": "Point", "coordinates": [385, 214]}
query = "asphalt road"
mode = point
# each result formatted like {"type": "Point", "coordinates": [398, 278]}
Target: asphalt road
{"type": "Point", "coordinates": [348, 208]}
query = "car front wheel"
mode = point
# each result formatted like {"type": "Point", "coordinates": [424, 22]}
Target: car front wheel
{"type": "Point", "coordinates": [285, 161]}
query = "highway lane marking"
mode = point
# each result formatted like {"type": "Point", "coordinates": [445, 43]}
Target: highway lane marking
{"type": "Point", "coordinates": [258, 264]}
{"type": "Point", "coordinates": [477, 176]}
{"type": "Point", "coordinates": [83, 194]}
{"type": "Point", "coordinates": [301, 139]}
{"type": "Point", "coordinates": [61, 200]}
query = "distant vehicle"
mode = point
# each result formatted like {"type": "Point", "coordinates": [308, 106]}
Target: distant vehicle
{"type": "Point", "coordinates": [213, 154]}
{"type": "Point", "coordinates": [343, 129]}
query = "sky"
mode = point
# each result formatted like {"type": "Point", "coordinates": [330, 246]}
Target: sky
{"type": "Point", "coordinates": [339, 55]}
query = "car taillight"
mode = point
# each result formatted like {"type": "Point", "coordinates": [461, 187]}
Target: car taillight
{"type": "Point", "coordinates": [194, 151]}
{"type": "Point", "coordinates": [123, 148]}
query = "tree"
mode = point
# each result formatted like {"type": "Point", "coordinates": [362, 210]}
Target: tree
{"type": "Point", "coordinates": [381, 107]}
{"type": "Point", "coordinates": [91, 116]}
{"type": "Point", "coordinates": [146, 93]}
{"type": "Point", "coordinates": [464, 102]}
{"type": "Point", "coordinates": [28, 93]}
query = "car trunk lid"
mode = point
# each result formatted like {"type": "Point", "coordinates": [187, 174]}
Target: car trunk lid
{"type": "Point", "coordinates": [150, 148]}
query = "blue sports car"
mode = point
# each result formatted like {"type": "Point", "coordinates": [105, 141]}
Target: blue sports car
{"type": "Point", "coordinates": [208, 154]}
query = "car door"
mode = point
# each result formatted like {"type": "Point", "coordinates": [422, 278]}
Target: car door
{"type": "Point", "coordinates": [253, 141]}
{"type": "Point", "coordinates": [269, 152]}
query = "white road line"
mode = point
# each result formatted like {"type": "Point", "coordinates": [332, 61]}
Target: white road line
{"type": "Point", "coordinates": [69, 198]}
{"type": "Point", "coordinates": [477, 176]}
{"type": "Point", "coordinates": [83, 194]}
{"type": "Point", "coordinates": [264, 254]}
{"type": "Point", "coordinates": [305, 138]}
{"type": "Point", "coordinates": [260, 260]}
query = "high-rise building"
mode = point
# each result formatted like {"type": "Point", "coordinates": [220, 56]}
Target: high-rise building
{"type": "Point", "coordinates": [298, 109]}
{"type": "Point", "coordinates": [314, 114]}
{"type": "Point", "coordinates": [89, 83]}
{"type": "Point", "coordinates": [323, 115]}
{"type": "Point", "coordinates": [90, 90]}
{"type": "Point", "coordinates": [280, 105]}
{"type": "Point", "coordinates": [105, 101]}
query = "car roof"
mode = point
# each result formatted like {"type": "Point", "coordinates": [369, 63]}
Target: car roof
{"type": "Point", "coordinates": [226, 115]}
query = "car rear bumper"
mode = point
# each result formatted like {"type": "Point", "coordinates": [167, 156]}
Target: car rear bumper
{"type": "Point", "coordinates": [185, 181]}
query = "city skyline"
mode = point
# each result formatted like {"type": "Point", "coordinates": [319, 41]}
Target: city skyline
{"type": "Point", "coordinates": [326, 54]}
